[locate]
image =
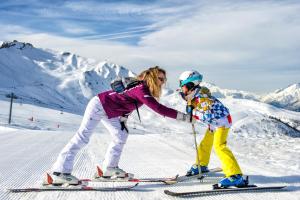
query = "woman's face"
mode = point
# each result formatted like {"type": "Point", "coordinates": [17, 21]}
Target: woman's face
{"type": "Point", "coordinates": [161, 78]}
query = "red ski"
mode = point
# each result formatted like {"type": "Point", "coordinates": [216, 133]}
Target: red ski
{"type": "Point", "coordinates": [72, 188]}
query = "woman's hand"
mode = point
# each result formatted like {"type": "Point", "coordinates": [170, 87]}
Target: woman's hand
{"type": "Point", "coordinates": [185, 117]}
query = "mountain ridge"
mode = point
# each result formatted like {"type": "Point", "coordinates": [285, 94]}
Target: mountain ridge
{"type": "Point", "coordinates": [75, 79]}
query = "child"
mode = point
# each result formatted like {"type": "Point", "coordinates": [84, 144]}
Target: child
{"type": "Point", "coordinates": [209, 110]}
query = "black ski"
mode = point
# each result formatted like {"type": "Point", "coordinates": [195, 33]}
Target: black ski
{"type": "Point", "coordinates": [223, 190]}
{"type": "Point", "coordinates": [73, 188]}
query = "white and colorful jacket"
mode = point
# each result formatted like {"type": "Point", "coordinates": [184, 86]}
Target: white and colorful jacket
{"type": "Point", "coordinates": [209, 110]}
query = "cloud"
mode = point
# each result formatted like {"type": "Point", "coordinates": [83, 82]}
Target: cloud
{"type": "Point", "coordinates": [239, 31]}
{"type": "Point", "coordinates": [75, 29]}
{"type": "Point", "coordinates": [236, 44]}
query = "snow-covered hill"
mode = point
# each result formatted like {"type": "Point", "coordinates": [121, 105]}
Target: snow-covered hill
{"type": "Point", "coordinates": [156, 148]}
{"type": "Point", "coordinates": [264, 138]}
{"type": "Point", "coordinates": [236, 94]}
{"type": "Point", "coordinates": [53, 79]}
{"type": "Point", "coordinates": [288, 98]}
{"type": "Point", "coordinates": [66, 81]}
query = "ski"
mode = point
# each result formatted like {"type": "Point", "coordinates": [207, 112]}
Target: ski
{"type": "Point", "coordinates": [100, 178]}
{"type": "Point", "coordinates": [73, 188]}
{"type": "Point", "coordinates": [223, 190]}
{"type": "Point", "coordinates": [168, 180]}
{"type": "Point", "coordinates": [135, 180]}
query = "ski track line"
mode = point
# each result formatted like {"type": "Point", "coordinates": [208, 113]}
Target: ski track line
{"type": "Point", "coordinates": [242, 195]}
{"type": "Point", "coordinates": [82, 169]}
{"type": "Point", "coordinates": [144, 155]}
{"type": "Point", "coordinates": [34, 160]}
{"type": "Point", "coordinates": [6, 136]}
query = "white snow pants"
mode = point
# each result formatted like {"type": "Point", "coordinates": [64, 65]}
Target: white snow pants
{"type": "Point", "coordinates": [94, 113]}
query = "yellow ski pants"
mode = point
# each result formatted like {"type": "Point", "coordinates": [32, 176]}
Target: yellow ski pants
{"type": "Point", "coordinates": [218, 139]}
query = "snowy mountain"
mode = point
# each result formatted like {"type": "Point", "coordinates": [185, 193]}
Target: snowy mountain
{"type": "Point", "coordinates": [66, 81]}
{"type": "Point", "coordinates": [264, 138]}
{"type": "Point", "coordinates": [53, 79]}
{"type": "Point", "coordinates": [288, 98]}
{"type": "Point", "coordinates": [224, 93]}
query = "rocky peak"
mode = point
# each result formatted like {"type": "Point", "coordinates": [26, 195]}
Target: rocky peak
{"type": "Point", "coordinates": [16, 44]}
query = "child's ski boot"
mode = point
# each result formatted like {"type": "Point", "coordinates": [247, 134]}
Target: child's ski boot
{"type": "Point", "coordinates": [194, 170]}
{"type": "Point", "coordinates": [234, 180]}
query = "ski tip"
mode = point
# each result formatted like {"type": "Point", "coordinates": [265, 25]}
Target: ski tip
{"type": "Point", "coordinates": [170, 182]}
{"type": "Point", "coordinates": [19, 190]}
{"type": "Point", "coordinates": [281, 187]}
{"type": "Point", "coordinates": [174, 194]}
{"type": "Point", "coordinates": [10, 190]}
{"type": "Point", "coordinates": [168, 192]}
{"type": "Point", "coordinates": [136, 184]}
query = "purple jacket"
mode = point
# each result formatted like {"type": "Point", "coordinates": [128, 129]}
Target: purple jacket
{"type": "Point", "coordinates": [116, 104]}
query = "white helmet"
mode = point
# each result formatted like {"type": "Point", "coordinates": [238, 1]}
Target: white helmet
{"type": "Point", "coordinates": [190, 77]}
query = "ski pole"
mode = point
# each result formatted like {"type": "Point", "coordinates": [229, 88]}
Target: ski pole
{"type": "Point", "coordinates": [196, 147]}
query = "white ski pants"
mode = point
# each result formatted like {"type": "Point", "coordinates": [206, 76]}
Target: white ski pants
{"type": "Point", "coordinates": [94, 113]}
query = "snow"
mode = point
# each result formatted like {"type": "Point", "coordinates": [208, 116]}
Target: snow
{"type": "Point", "coordinates": [155, 148]}
{"type": "Point", "coordinates": [236, 94]}
{"type": "Point", "coordinates": [54, 79]}
{"type": "Point", "coordinates": [53, 89]}
{"type": "Point", "coordinates": [288, 98]}
{"type": "Point", "coordinates": [4, 128]}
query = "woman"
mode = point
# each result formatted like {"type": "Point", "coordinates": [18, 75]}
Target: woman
{"type": "Point", "coordinates": [111, 109]}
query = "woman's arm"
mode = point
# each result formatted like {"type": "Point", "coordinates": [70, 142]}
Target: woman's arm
{"type": "Point", "coordinates": [146, 98]}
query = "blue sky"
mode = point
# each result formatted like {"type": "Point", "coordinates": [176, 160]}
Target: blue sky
{"type": "Point", "coordinates": [245, 45]}
{"type": "Point", "coordinates": [122, 21]}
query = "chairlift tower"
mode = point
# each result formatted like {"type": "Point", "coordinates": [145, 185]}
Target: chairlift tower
{"type": "Point", "coordinates": [12, 96]}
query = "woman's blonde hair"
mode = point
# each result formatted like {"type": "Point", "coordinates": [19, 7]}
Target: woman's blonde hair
{"type": "Point", "coordinates": [150, 76]}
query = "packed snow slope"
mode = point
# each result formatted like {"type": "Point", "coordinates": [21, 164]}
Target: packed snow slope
{"type": "Point", "coordinates": [267, 149]}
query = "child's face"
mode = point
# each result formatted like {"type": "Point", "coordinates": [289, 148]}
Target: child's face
{"type": "Point", "coordinates": [185, 91]}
